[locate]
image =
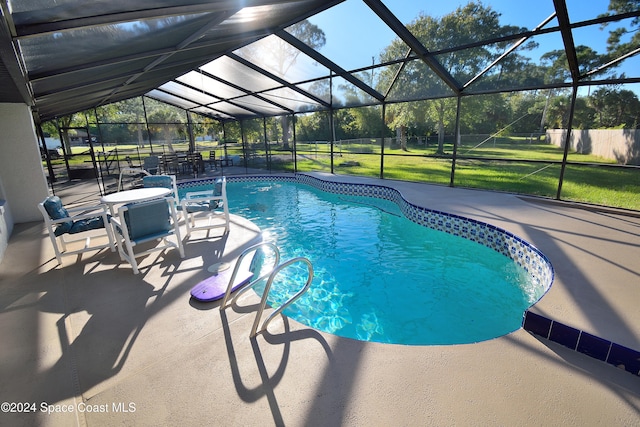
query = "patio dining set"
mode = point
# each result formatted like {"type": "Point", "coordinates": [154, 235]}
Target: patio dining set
{"type": "Point", "coordinates": [183, 163]}
{"type": "Point", "coordinates": [131, 219]}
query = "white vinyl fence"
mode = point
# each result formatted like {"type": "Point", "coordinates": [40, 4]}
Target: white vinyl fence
{"type": "Point", "coordinates": [621, 145]}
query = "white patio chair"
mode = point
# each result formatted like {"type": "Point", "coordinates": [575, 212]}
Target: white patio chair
{"type": "Point", "coordinates": [151, 164]}
{"type": "Point", "coordinates": [143, 222]}
{"type": "Point", "coordinates": [211, 204]}
{"type": "Point", "coordinates": [134, 173]}
{"type": "Point", "coordinates": [61, 222]}
{"type": "Point", "coordinates": [165, 181]}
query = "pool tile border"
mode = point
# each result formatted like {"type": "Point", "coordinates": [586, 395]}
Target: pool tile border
{"type": "Point", "coordinates": [583, 342]}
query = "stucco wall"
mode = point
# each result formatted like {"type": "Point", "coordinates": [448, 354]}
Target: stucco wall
{"type": "Point", "coordinates": [6, 227]}
{"type": "Point", "coordinates": [23, 180]}
{"type": "Point", "coordinates": [622, 145]}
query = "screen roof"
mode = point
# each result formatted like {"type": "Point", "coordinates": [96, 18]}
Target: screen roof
{"type": "Point", "coordinates": [233, 59]}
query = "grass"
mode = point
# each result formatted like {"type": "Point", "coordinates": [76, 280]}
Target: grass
{"type": "Point", "coordinates": [602, 186]}
{"type": "Point", "coordinates": [476, 167]}
{"type": "Point", "coordinates": [81, 156]}
{"type": "Point", "coordinates": [615, 187]}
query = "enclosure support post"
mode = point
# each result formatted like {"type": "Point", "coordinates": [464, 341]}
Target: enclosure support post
{"type": "Point", "coordinates": [104, 152]}
{"type": "Point", "coordinates": [266, 144]}
{"type": "Point", "coordinates": [224, 144]}
{"type": "Point", "coordinates": [567, 141]}
{"type": "Point", "coordinates": [295, 148]}
{"type": "Point", "coordinates": [331, 123]}
{"type": "Point", "coordinates": [243, 140]}
{"type": "Point", "coordinates": [146, 123]}
{"type": "Point", "coordinates": [94, 163]}
{"type": "Point", "coordinates": [384, 112]}
{"type": "Point", "coordinates": [456, 141]}
{"type": "Point", "coordinates": [192, 141]}
{"type": "Point", "coordinates": [43, 142]}
{"type": "Point", "coordinates": [332, 136]}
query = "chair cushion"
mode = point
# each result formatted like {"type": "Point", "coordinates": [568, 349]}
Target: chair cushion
{"type": "Point", "coordinates": [158, 181]}
{"type": "Point", "coordinates": [147, 219]}
{"type": "Point", "coordinates": [209, 205]}
{"type": "Point", "coordinates": [53, 206]}
{"type": "Point", "coordinates": [86, 224]}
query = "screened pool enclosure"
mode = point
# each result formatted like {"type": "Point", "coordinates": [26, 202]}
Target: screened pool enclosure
{"type": "Point", "coordinates": [537, 98]}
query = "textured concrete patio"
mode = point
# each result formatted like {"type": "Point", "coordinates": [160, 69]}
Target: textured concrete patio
{"type": "Point", "coordinates": [100, 346]}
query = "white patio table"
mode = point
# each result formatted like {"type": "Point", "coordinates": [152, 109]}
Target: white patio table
{"type": "Point", "coordinates": [135, 195]}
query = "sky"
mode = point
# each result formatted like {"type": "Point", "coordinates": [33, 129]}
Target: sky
{"type": "Point", "coordinates": [356, 36]}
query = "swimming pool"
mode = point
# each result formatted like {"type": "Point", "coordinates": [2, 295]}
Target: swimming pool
{"type": "Point", "coordinates": [387, 270]}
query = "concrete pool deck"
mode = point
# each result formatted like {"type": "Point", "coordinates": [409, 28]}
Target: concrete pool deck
{"type": "Point", "coordinates": [135, 350]}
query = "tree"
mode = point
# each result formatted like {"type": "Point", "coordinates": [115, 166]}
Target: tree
{"type": "Point", "coordinates": [367, 122]}
{"type": "Point", "coordinates": [49, 128]}
{"type": "Point", "coordinates": [583, 114]}
{"type": "Point", "coordinates": [528, 106]}
{"type": "Point", "coordinates": [205, 126]}
{"type": "Point", "coordinates": [279, 57]}
{"type": "Point", "coordinates": [484, 114]}
{"type": "Point", "coordinates": [466, 25]}
{"type": "Point", "coordinates": [615, 108]}
{"type": "Point", "coordinates": [313, 127]}
{"type": "Point", "coordinates": [166, 120]}
{"type": "Point", "coordinates": [623, 39]}
{"type": "Point", "coordinates": [557, 112]}
{"type": "Point", "coordinates": [557, 68]}
{"type": "Point", "coordinates": [344, 124]}
{"type": "Point", "coordinates": [75, 120]}
{"type": "Point", "coordinates": [253, 130]}
{"type": "Point", "coordinates": [232, 132]}
{"type": "Point", "coordinates": [358, 122]}
{"type": "Point", "coordinates": [128, 121]}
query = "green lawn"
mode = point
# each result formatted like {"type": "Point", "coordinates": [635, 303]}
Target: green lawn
{"type": "Point", "coordinates": [616, 187]}
{"type": "Point", "coordinates": [599, 185]}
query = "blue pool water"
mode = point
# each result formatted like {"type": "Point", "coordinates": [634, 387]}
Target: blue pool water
{"type": "Point", "coordinates": [378, 276]}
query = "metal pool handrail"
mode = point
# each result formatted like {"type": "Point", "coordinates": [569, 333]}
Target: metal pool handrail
{"type": "Point", "coordinates": [243, 288]}
{"type": "Point", "coordinates": [267, 287]}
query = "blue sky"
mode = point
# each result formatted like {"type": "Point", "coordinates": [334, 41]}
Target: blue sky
{"type": "Point", "coordinates": [355, 35]}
